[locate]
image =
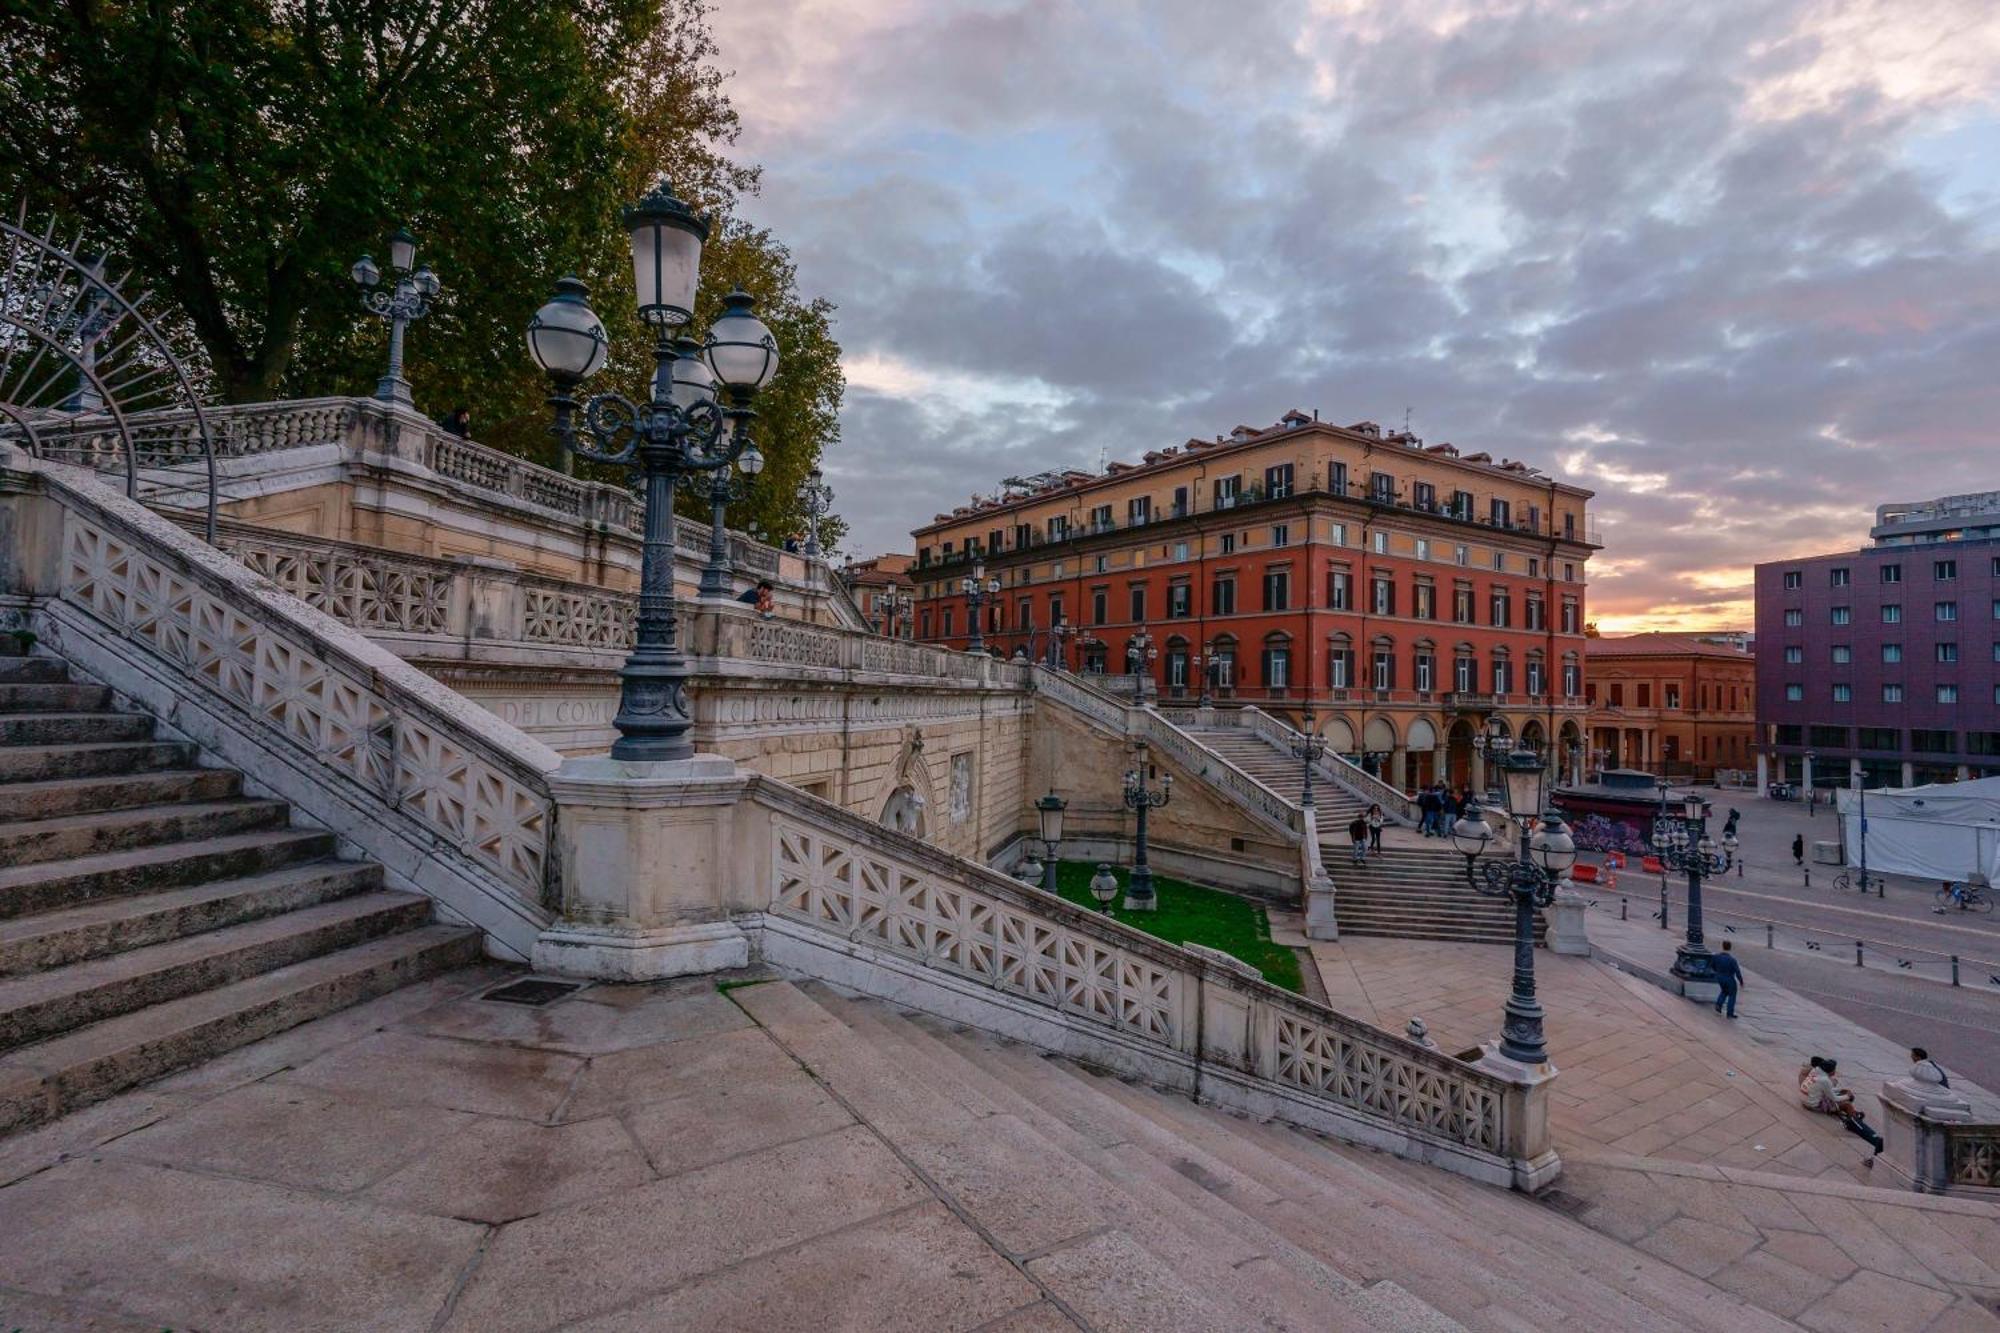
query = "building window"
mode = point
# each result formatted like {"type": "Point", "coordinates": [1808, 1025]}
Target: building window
{"type": "Point", "coordinates": [1461, 555]}
{"type": "Point", "coordinates": [1281, 534]}
{"type": "Point", "coordinates": [1795, 693]}
{"type": "Point", "coordinates": [1139, 510]}
{"type": "Point", "coordinates": [1947, 610]}
{"type": "Point", "coordinates": [1102, 563]}
{"type": "Point", "coordinates": [1933, 742]}
{"type": "Point", "coordinates": [1382, 595]}
{"type": "Point", "coordinates": [1423, 548]}
{"type": "Point", "coordinates": [1843, 694]}
{"type": "Point", "coordinates": [1382, 488]}
{"type": "Point", "coordinates": [1842, 615]}
{"type": "Point", "coordinates": [1892, 694]}
{"type": "Point", "coordinates": [1461, 504]}
{"type": "Point", "coordinates": [1100, 606]}
{"type": "Point", "coordinates": [948, 626]}
{"type": "Point", "coordinates": [1222, 597]}
{"type": "Point", "coordinates": [1795, 617]}
{"type": "Point", "coordinates": [1055, 610]}
{"type": "Point", "coordinates": [1878, 738]}
{"type": "Point", "coordinates": [1381, 543]}
{"type": "Point", "coordinates": [1617, 694]}
{"type": "Point", "coordinates": [1500, 513]}
{"type": "Point", "coordinates": [1225, 491]}
{"type": "Point", "coordinates": [1277, 590]}
{"type": "Point", "coordinates": [1180, 551]}
{"type": "Point", "coordinates": [1892, 613]}
{"type": "Point", "coordinates": [1277, 667]}
{"type": "Point", "coordinates": [1673, 696]}
{"type": "Point", "coordinates": [1500, 560]}
{"type": "Point", "coordinates": [1533, 610]}
{"type": "Point", "coordinates": [1569, 616]}
{"type": "Point", "coordinates": [1534, 567]}
{"type": "Point", "coordinates": [1278, 481]}
{"type": "Point", "coordinates": [1058, 528]}
{"type": "Point", "coordinates": [1180, 602]}
{"type": "Point", "coordinates": [1795, 654]}
{"type": "Point", "coordinates": [1892, 573]}
{"type": "Point", "coordinates": [1571, 672]}
{"type": "Point", "coordinates": [1502, 609]}
{"type": "Point", "coordinates": [1461, 606]}
{"type": "Point", "coordinates": [1340, 590]}
{"type": "Point", "coordinates": [1385, 669]}
{"type": "Point", "coordinates": [1138, 598]}
{"type": "Point", "coordinates": [1842, 654]}
{"type": "Point", "coordinates": [1340, 667]}
{"type": "Point", "coordinates": [1424, 496]}
{"type": "Point", "coordinates": [1947, 652]}
{"type": "Point", "coordinates": [1947, 694]}
{"type": "Point", "coordinates": [1535, 683]}
{"type": "Point", "coordinates": [1503, 675]}
{"type": "Point", "coordinates": [1336, 478]}
{"type": "Point", "coordinates": [1944, 571]}
{"type": "Point", "coordinates": [1892, 652]}
{"type": "Point", "coordinates": [1569, 569]}
{"type": "Point", "coordinates": [1794, 578]}
{"type": "Point", "coordinates": [1837, 578]}
{"type": "Point", "coordinates": [1337, 534]}
{"type": "Point", "coordinates": [1423, 601]}
{"type": "Point", "coordinates": [1645, 694]}
{"type": "Point", "coordinates": [1426, 672]}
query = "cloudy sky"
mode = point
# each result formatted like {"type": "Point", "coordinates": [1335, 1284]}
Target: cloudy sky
{"type": "Point", "coordinates": [1735, 264]}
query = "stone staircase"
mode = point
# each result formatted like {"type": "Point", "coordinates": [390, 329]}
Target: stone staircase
{"type": "Point", "coordinates": [1135, 1209]}
{"type": "Point", "coordinates": [152, 915]}
{"type": "Point", "coordinates": [1415, 893]}
{"type": "Point", "coordinates": [1280, 772]}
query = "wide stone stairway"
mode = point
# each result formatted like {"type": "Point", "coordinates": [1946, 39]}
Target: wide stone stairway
{"type": "Point", "coordinates": [1415, 893]}
{"type": "Point", "coordinates": [1280, 772]}
{"type": "Point", "coordinates": [152, 915]}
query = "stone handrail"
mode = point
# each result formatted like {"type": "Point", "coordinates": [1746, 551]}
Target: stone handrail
{"type": "Point", "coordinates": [844, 889]}
{"type": "Point", "coordinates": [735, 632]}
{"type": "Point", "coordinates": [1335, 768]}
{"type": "Point", "coordinates": [172, 438]}
{"type": "Point", "coordinates": [451, 800]}
{"type": "Point", "coordinates": [1148, 725]}
{"type": "Point", "coordinates": [1935, 1144]}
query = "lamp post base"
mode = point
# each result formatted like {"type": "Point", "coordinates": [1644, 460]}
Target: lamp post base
{"type": "Point", "coordinates": [1697, 978]}
{"type": "Point", "coordinates": [394, 389]}
{"type": "Point", "coordinates": [1139, 895]}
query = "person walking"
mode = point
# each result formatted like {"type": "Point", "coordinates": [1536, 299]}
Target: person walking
{"type": "Point", "coordinates": [1357, 833]}
{"type": "Point", "coordinates": [1798, 849]}
{"type": "Point", "coordinates": [1427, 803]}
{"type": "Point", "coordinates": [1375, 822]}
{"type": "Point", "coordinates": [1729, 975]}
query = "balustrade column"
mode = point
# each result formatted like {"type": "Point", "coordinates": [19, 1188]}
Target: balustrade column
{"type": "Point", "coordinates": [1399, 763]}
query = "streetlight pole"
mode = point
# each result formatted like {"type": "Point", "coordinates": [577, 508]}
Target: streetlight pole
{"type": "Point", "coordinates": [722, 489]}
{"type": "Point", "coordinates": [1139, 654]}
{"type": "Point", "coordinates": [1139, 895]}
{"type": "Point", "coordinates": [1308, 749]}
{"type": "Point", "coordinates": [1049, 817]}
{"type": "Point", "coordinates": [1530, 880]}
{"type": "Point", "coordinates": [816, 498]}
{"type": "Point", "coordinates": [406, 300]}
{"type": "Point", "coordinates": [681, 430]}
{"type": "Point", "coordinates": [978, 589]}
{"type": "Point", "coordinates": [1686, 846]}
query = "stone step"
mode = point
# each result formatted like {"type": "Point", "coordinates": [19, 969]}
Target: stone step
{"type": "Point", "coordinates": [34, 841]}
{"type": "Point", "coordinates": [45, 763]}
{"type": "Point", "coordinates": [114, 925]}
{"type": "Point", "coordinates": [40, 1082]}
{"type": "Point", "coordinates": [73, 728]}
{"type": "Point", "coordinates": [31, 670]}
{"type": "Point", "coordinates": [44, 1004]}
{"type": "Point", "coordinates": [52, 697]}
{"type": "Point", "coordinates": [55, 797]}
{"type": "Point", "coordinates": [53, 885]}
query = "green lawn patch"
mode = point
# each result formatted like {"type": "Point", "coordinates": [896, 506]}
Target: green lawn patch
{"type": "Point", "coordinates": [1190, 913]}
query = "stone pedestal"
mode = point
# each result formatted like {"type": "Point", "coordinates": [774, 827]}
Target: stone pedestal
{"type": "Point", "coordinates": [1916, 1130]}
{"type": "Point", "coordinates": [1566, 929]}
{"type": "Point", "coordinates": [1320, 921]}
{"type": "Point", "coordinates": [645, 851]}
{"type": "Point", "coordinates": [1527, 1121]}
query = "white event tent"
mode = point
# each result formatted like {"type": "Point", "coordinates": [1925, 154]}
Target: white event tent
{"type": "Point", "coordinates": [1947, 830]}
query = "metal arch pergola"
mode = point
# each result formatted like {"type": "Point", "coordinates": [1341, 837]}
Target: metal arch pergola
{"type": "Point", "coordinates": [86, 375]}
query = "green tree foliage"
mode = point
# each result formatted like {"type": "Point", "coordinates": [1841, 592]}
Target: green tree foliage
{"type": "Point", "coordinates": [242, 153]}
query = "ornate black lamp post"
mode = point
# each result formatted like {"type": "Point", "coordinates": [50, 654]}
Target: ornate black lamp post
{"type": "Point", "coordinates": [1684, 844]}
{"type": "Point", "coordinates": [1049, 815]}
{"type": "Point", "coordinates": [978, 591]}
{"type": "Point", "coordinates": [1139, 895]}
{"type": "Point", "coordinates": [1309, 747]}
{"type": "Point", "coordinates": [1530, 880]}
{"type": "Point", "coordinates": [681, 430]}
{"type": "Point", "coordinates": [1139, 655]}
{"type": "Point", "coordinates": [1205, 662]}
{"type": "Point", "coordinates": [816, 498]}
{"type": "Point", "coordinates": [406, 300]}
{"type": "Point", "coordinates": [1058, 654]}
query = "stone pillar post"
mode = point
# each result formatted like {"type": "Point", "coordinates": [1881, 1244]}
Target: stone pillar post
{"type": "Point", "coordinates": [1909, 774]}
{"type": "Point", "coordinates": [1763, 772]}
{"type": "Point", "coordinates": [1478, 773]}
{"type": "Point", "coordinates": [1441, 763]}
{"type": "Point", "coordinates": [1566, 929]}
{"type": "Point", "coordinates": [647, 854]}
{"type": "Point", "coordinates": [1807, 781]}
{"type": "Point", "coordinates": [1399, 768]}
{"type": "Point", "coordinates": [1964, 772]}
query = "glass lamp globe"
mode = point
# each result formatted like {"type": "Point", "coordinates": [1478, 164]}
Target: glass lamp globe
{"type": "Point", "coordinates": [1471, 833]}
{"type": "Point", "coordinates": [741, 350]}
{"type": "Point", "coordinates": [751, 461]}
{"type": "Point", "coordinates": [402, 250]}
{"type": "Point", "coordinates": [666, 239]}
{"type": "Point", "coordinates": [365, 273]}
{"type": "Point", "coordinates": [1049, 812]}
{"type": "Point", "coordinates": [565, 337]}
{"type": "Point", "coordinates": [1104, 885]}
{"type": "Point", "coordinates": [1553, 846]}
{"type": "Point", "coordinates": [426, 281]}
{"type": "Point", "coordinates": [693, 384]}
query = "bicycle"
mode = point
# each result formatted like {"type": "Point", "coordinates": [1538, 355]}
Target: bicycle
{"type": "Point", "coordinates": [1964, 898]}
{"type": "Point", "coordinates": [1869, 883]}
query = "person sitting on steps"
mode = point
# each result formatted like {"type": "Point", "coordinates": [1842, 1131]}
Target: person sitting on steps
{"type": "Point", "coordinates": [1821, 1094]}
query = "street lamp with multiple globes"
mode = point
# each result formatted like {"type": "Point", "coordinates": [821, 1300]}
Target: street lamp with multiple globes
{"type": "Point", "coordinates": [723, 490]}
{"type": "Point", "coordinates": [816, 498]}
{"type": "Point", "coordinates": [1530, 880]}
{"type": "Point", "coordinates": [1058, 654]}
{"type": "Point", "coordinates": [682, 430]}
{"type": "Point", "coordinates": [406, 300]}
{"type": "Point", "coordinates": [1140, 654]}
{"type": "Point", "coordinates": [1209, 665]}
{"type": "Point", "coordinates": [1049, 819]}
{"type": "Point", "coordinates": [978, 591]}
{"type": "Point", "coordinates": [1139, 895]}
{"type": "Point", "coordinates": [1683, 844]}
{"type": "Point", "coordinates": [1308, 747]}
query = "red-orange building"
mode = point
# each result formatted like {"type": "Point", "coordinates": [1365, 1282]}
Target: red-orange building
{"type": "Point", "coordinates": [1678, 705]}
{"type": "Point", "coordinates": [1410, 592]}
{"type": "Point", "coordinates": [880, 586]}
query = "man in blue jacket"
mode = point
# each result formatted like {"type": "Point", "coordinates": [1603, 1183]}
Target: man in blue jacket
{"type": "Point", "coordinates": [1729, 973]}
